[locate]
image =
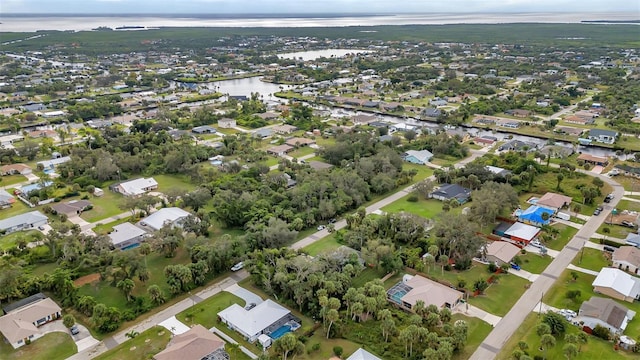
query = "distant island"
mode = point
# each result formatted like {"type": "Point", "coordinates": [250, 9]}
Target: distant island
{"type": "Point", "coordinates": [102, 28]}
{"type": "Point", "coordinates": [612, 21]}
{"type": "Point", "coordinates": [129, 27]}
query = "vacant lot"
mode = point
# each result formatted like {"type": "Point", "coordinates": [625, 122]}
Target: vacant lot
{"type": "Point", "coordinates": [143, 346]}
{"type": "Point", "coordinates": [52, 346]}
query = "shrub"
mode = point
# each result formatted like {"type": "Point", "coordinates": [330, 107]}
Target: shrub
{"type": "Point", "coordinates": [601, 332]}
{"type": "Point", "coordinates": [573, 294]}
{"type": "Point", "coordinates": [492, 267]}
{"type": "Point", "coordinates": [315, 347]}
{"type": "Point", "coordinates": [412, 198]}
{"type": "Point", "coordinates": [337, 350]}
{"type": "Point", "coordinates": [463, 264]}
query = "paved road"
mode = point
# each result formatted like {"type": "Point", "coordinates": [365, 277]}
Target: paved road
{"type": "Point", "coordinates": [159, 317]}
{"type": "Point", "coordinates": [492, 345]}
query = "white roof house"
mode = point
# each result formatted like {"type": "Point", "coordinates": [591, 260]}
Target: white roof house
{"type": "Point", "coordinates": [164, 216]}
{"type": "Point", "coordinates": [23, 222]}
{"type": "Point", "coordinates": [617, 284]}
{"type": "Point", "coordinates": [126, 234]}
{"type": "Point", "coordinates": [362, 354]}
{"type": "Point", "coordinates": [50, 164]}
{"type": "Point", "coordinates": [252, 323]}
{"type": "Point", "coordinates": [136, 187]}
{"type": "Point", "coordinates": [418, 157]}
{"type": "Point", "coordinates": [522, 231]}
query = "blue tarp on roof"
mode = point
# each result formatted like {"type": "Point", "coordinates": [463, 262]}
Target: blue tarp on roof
{"type": "Point", "coordinates": [533, 216]}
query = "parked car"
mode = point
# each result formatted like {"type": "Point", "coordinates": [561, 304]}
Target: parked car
{"type": "Point", "coordinates": [628, 223]}
{"type": "Point", "coordinates": [515, 266]}
{"type": "Point", "coordinates": [536, 243]}
{"type": "Point", "coordinates": [41, 228]}
{"type": "Point", "coordinates": [608, 198]}
{"type": "Point", "coordinates": [567, 313]}
{"type": "Point", "coordinates": [250, 306]}
{"type": "Point", "coordinates": [237, 266]}
{"type": "Point", "coordinates": [74, 330]}
{"type": "Point", "coordinates": [596, 212]}
{"type": "Point", "coordinates": [321, 227]}
{"type": "Point", "coordinates": [609, 248]}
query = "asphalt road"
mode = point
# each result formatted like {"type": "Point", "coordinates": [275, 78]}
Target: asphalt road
{"type": "Point", "coordinates": [493, 343]}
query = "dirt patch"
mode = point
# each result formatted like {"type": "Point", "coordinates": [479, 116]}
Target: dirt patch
{"type": "Point", "coordinates": [624, 215]}
{"type": "Point", "coordinates": [88, 279]}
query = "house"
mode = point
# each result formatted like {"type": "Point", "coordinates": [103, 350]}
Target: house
{"type": "Point", "coordinates": [34, 107]}
{"type": "Point", "coordinates": [135, 187]}
{"type": "Point", "coordinates": [71, 208]}
{"type": "Point", "coordinates": [205, 129]}
{"type": "Point", "coordinates": [421, 157]}
{"type": "Point", "coordinates": [24, 318]}
{"type": "Point", "coordinates": [227, 123]}
{"type": "Point", "coordinates": [580, 120]}
{"type": "Point", "coordinates": [554, 201]}
{"type": "Point", "coordinates": [410, 289]}
{"type": "Point", "coordinates": [517, 145]}
{"type": "Point", "coordinates": [534, 215]}
{"type": "Point", "coordinates": [196, 344]}
{"type": "Point", "coordinates": [6, 199]}
{"type": "Point", "coordinates": [501, 252]}
{"type": "Point", "coordinates": [521, 234]}
{"type": "Point", "coordinates": [438, 102]}
{"type": "Point", "coordinates": [319, 165]}
{"type": "Point", "coordinates": [267, 115]}
{"type": "Point", "coordinates": [268, 317]}
{"type": "Point", "coordinates": [51, 164]}
{"type": "Point", "coordinates": [166, 216]}
{"type": "Point", "coordinates": [262, 133]}
{"type": "Point", "coordinates": [617, 284]}
{"type": "Point", "coordinates": [485, 140]}
{"type": "Point", "coordinates": [14, 169]}
{"type": "Point", "coordinates": [431, 113]}
{"type": "Point", "coordinates": [603, 136]}
{"type": "Point", "coordinates": [604, 312]}
{"type": "Point", "coordinates": [627, 258]}
{"type": "Point", "coordinates": [633, 239]}
{"type": "Point", "coordinates": [363, 119]}
{"type": "Point", "coordinates": [24, 221]}
{"type": "Point", "coordinates": [447, 192]}
{"type": "Point", "coordinates": [280, 150]}
{"type": "Point", "coordinates": [298, 141]}
{"type": "Point", "coordinates": [518, 113]}
{"type": "Point", "coordinates": [284, 129]}
{"type": "Point", "coordinates": [362, 354]}
{"type": "Point", "coordinates": [595, 160]}
{"type": "Point", "coordinates": [511, 124]}
{"type": "Point", "coordinates": [126, 236]}
{"type": "Point", "coordinates": [498, 171]}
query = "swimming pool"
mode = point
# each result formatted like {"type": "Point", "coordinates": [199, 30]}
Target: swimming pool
{"type": "Point", "coordinates": [279, 332]}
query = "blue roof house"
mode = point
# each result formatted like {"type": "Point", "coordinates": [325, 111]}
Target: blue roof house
{"type": "Point", "coordinates": [533, 216]}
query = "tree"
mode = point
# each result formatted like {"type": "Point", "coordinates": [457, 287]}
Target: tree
{"type": "Point", "coordinates": [547, 341]}
{"type": "Point", "coordinates": [410, 135]}
{"type": "Point", "coordinates": [556, 322]}
{"type": "Point", "coordinates": [332, 316]}
{"type": "Point", "coordinates": [570, 351]}
{"type": "Point", "coordinates": [559, 178]}
{"type": "Point", "coordinates": [574, 276]}
{"type": "Point", "coordinates": [424, 188]}
{"type": "Point", "coordinates": [197, 198]}
{"type": "Point", "coordinates": [491, 200]}
{"type": "Point", "coordinates": [480, 285]}
{"type": "Point", "coordinates": [444, 261]}
{"type": "Point", "coordinates": [457, 237]}
{"type": "Point", "coordinates": [68, 320]}
{"type": "Point", "coordinates": [126, 286]}
{"type": "Point", "coordinates": [156, 295]}
{"type": "Point", "coordinates": [285, 344]}
{"type": "Point", "coordinates": [543, 329]}
{"type": "Point", "coordinates": [582, 339]}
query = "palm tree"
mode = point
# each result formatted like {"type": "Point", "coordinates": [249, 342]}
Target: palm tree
{"type": "Point", "coordinates": [126, 286]}
{"type": "Point", "coordinates": [155, 294]}
{"type": "Point", "coordinates": [332, 316]}
{"type": "Point", "coordinates": [547, 341]}
{"type": "Point", "coordinates": [570, 350]}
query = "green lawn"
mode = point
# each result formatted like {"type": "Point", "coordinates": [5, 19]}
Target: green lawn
{"type": "Point", "coordinates": [174, 182]}
{"type": "Point", "coordinates": [300, 152]}
{"type": "Point", "coordinates": [617, 231]}
{"type": "Point", "coordinates": [478, 331]}
{"type": "Point", "coordinates": [426, 208]}
{"type": "Point", "coordinates": [104, 206]}
{"type": "Point", "coordinates": [367, 275]}
{"type": "Point", "coordinates": [104, 229]}
{"type": "Point", "coordinates": [205, 313]}
{"type": "Point", "coordinates": [143, 346]}
{"type": "Point", "coordinates": [628, 205]}
{"type": "Point", "coordinates": [534, 262]}
{"type": "Point", "coordinates": [52, 346]}
{"type": "Point", "coordinates": [326, 244]}
{"type": "Point", "coordinates": [17, 208]}
{"type": "Point", "coordinates": [566, 233]}
{"type": "Point", "coordinates": [11, 240]}
{"type": "Point", "coordinates": [592, 259]}
{"type": "Point", "coordinates": [595, 349]}
{"type": "Point", "coordinates": [11, 180]}
{"type": "Point", "coordinates": [556, 295]}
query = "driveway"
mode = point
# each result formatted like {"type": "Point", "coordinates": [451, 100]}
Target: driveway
{"type": "Point", "coordinates": [175, 326]}
{"type": "Point", "coordinates": [244, 294]}
{"type": "Point", "coordinates": [83, 339]}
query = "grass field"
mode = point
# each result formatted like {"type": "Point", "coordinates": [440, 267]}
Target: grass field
{"type": "Point", "coordinates": [52, 346]}
{"type": "Point", "coordinates": [426, 208]}
{"type": "Point", "coordinates": [566, 233]}
{"type": "Point", "coordinates": [303, 151]}
{"type": "Point", "coordinates": [11, 180]}
{"type": "Point", "coordinates": [592, 259]}
{"type": "Point", "coordinates": [16, 209]}
{"type": "Point", "coordinates": [534, 262]}
{"type": "Point", "coordinates": [104, 206]}
{"type": "Point", "coordinates": [11, 240]}
{"type": "Point", "coordinates": [104, 229]}
{"type": "Point", "coordinates": [205, 312]}
{"type": "Point", "coordinates": [616, 231]}
{"type": "Point", "coordinates": [594, 349]}
{"type": "Point", "coordinates": [326, 244]}
{"type": "Point", "coordinates": [478, 331]}
{"type": "Point", "coordinates": [143, 346]}
{"type": "Point", "coordinates": [174, 182]}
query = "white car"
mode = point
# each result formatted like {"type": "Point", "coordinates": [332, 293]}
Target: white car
{"type": "Point", "coordinates": [567, 313]}
{"type": "Point", "coordinates": [321, 227]}
{"type": "Point", "coordinates": [237, 266]}
{"type": "Point", "coordinates": [536, 243]}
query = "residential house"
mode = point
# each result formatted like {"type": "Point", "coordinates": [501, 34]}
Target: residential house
{"type": "Point", "coordinates": [172, 216]}
{"type": "Point", "coordinates": [501, 252]}
{"type": "Point", "coordinates": [126, 236]}
{"type": "Point", "coordinates": [595, 160]}
{"type": "Point", "coordinates": [268, 318]}
{"type": "Point", "coordinates": [262, 133]}
{"type": "Point", "coordinates": [498, 171]}
{"type": "Point", "coordinates": [363, 119]}
{"type": "Point", "coordinates": [411, 289]}
{"type": "Point", "coordinates": [627, 170]}
{"type": "Point", "coordinates": [24, 221]}
{"type": "Point", "coordinates": [617, 284]}
{"type": "Point", "coordinates": [196, 344]}
{"type": "Point", "coordinates": [421, 157]}
{"type": "Point", "coordinates": [580, 120]}
{"type": "Point", "coordinates": [284, 129]}
{"type": "Point", "coordinates": [205, 129]}
{"type": "Point", "coordinates": [71, 208]}
{"type": "Point", "coordinates": [6, 199]}
{"type": "Point", "coordinates": [521, 234]}
{"type": "Point", "coordinates": [362, 354]}
{"type": "Point", "coordinates": [554, 201]}
{"type": "Point", "coordinates": [34, 107]}
{"type": "Point", "coordinates": [53, 163]}
{"type": "Point", "coordinates": [627, 258]}
{"type": "Point", "coordinates": [603, 136]}
{"type": "Point", "coordinates": [518, 113]}
{"type": "Point", "coordinates": [24, 318]}
{"type": "Point", "coordinates": [267, 115]}
{"type": "Point", "coordinates": [280, 150]}
{"type": "Point", "coordinates": [485, 140]}
{"type": "Point", "coordinates": [432, 113]}
{"type": "Point", "coordinates": [14, 169]}
{"type": "Point", "coordinates": [511, 124]}
{"type": "Point", "coordinates": [446, 192]}
{"type": "Point", "coordinates": [534, 215]}
{"type": "Point", "coordinates": [135, 187]}
{"type": "Point", "coordinates": [438, 102]}
{"type": "Point", "coordinates": [227, 123]}
{"type": "Point", "coordinates": [298, 141]}
{"type": "Point", "coordinates": [319, 165]}
{"type": "Point", "coordinates": [606, 313]}
{"type": "Point", "coordinates": [517, 145]}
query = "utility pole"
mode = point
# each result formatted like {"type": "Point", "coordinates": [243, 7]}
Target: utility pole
{"type": "Point", "coordinates": [541, 296]}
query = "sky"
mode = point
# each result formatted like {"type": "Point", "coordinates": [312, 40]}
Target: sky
{"type": "Point", "coordinates": [311, 6]}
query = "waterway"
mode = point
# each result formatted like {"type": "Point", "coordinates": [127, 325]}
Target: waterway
{"type": "Point", "coordinates": [316, 54]}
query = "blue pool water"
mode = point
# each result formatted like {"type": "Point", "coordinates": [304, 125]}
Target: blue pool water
{"type": "Point", "coordinates": [275, 335]}
{"type": "Point", "coordinates": [132, 246]}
